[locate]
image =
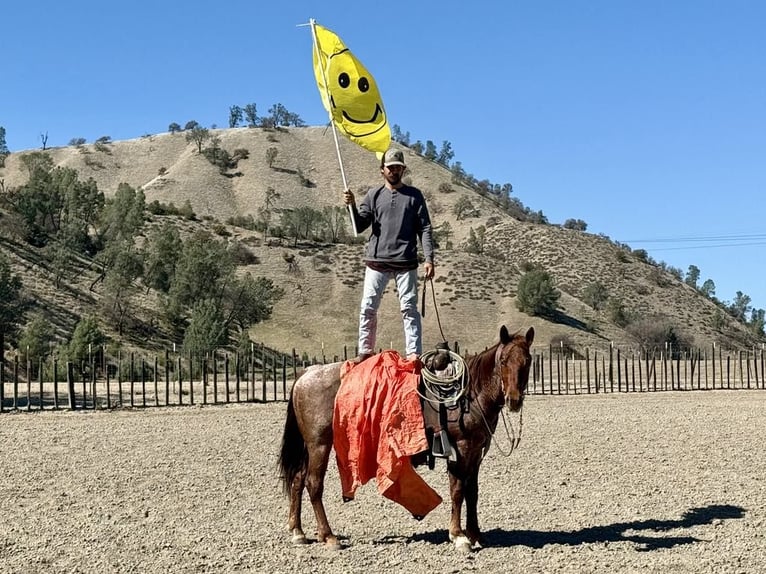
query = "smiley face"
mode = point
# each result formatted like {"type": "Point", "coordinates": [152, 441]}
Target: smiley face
{"type": "Point", "coordinates": [354, 96]}
{"type": "Point", "coordinates": [350, 94]}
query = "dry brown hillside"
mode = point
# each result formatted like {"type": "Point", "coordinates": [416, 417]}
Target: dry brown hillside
{"type": "Point", "coordinates": [475, 293]}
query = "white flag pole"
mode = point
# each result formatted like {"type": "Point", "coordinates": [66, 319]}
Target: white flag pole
{"type": "Point", "coordinates": [318, 52]}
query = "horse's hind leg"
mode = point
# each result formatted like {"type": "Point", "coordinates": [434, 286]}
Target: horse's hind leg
{"type": "Point", "coordinates": [296, 504]}
{"type": "Point", "coordinates": [319, 456]}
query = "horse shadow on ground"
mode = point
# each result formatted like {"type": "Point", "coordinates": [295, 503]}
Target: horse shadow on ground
{"type": "Point", "coordinates": [637, 532]}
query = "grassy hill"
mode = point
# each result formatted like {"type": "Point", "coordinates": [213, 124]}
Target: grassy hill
{"type": "Point", "coordinates": [475, 293]}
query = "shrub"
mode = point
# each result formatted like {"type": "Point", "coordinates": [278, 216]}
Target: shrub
{"type": "Point", "coordinates": [617, 313]}
{"type": "Point", "coordinates": [595, 295]}
{"type": "Point", "coordinates": [658, 332]}
{"type": "Point", "coordinates": [565, 346]}
{"type": "Point", "coordinates": [576, 224]}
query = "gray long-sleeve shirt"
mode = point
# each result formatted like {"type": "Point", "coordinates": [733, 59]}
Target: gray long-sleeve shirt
{"type": "Point", "coordinates": [398, 217]}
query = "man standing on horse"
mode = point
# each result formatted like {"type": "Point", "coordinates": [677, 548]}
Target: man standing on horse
{"type": "Point", "coordinates": [398, 217]}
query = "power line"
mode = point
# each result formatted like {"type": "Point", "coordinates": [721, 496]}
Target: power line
{"type": "Point", "coordinates": [707, 242]}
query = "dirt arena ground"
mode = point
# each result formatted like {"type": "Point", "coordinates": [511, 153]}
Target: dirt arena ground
{"type": "Point", "coordinates": [664, 482]}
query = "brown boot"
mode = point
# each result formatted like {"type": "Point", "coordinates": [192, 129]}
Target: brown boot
{"type": "Point", "coordinates": [361, 357]}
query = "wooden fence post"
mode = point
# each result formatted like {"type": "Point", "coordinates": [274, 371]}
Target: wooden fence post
{"type": "Point", "coordinates": [237, 379]}
{"type": "Point", "coordinates": [2, 379]}
{"type": "Point", "coordinates": [156, 382]}
{"type": "Point", "coordinates": [29, 383]}
{"type": "Point", "coordinates": [70, 384]}
{"type": "Point", "coordinates": [55, 383]}
{"type": "Point", "coordinates": [226, 375]}
{"type": "Point", "coordinates": [15, 383]}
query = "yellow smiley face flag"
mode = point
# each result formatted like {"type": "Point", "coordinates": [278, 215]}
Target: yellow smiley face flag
{"type": "Point", "coordinates": [349, 92]}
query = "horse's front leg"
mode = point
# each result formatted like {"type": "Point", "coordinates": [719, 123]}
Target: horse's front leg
{"type": "Point", "coordinates": [319, 456]}
{"type": "Point", "coordinates": [456, 534]}
{"type": "Point", "coordinates": [471, 493]}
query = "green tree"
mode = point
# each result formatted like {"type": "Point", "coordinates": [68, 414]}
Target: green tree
{"type": "Point", "coordinates": [126, 266]}
{"type": "Point", "coordinates": [301, 222]}
{"type": "Point", "coordinates": [445, 153]}
{"type": "Point", "coordinates": [463, 208]}
{"type": "Point", "coordinates": [740, 307]}
{"type": "Point", "coordinates": [537, 293]}
{"type": "Point", "coordinates": [203, 269]}
{"type": "Point", "coordinates": [280, 116]}
{"type": "Point", "coordinates": [430, 151]}
{"type": "Point", "coordinates": [55, 200]}
{"type": "Point", "coordinates": [757, 321]}
{"type": "Point", "coordinates": [335, 219]}
{"type": "Point", "coordinates": [38, 202]}
{"type": "Point", "coordinates": [458, 173]}
{"type": "Point", "coordinates": [443, 235]}
{"type": "Point", "coordinates": [595, 295]}
{"type": "Point", "coordinates": [476, 240]}
{"type": "Point", "coordinates": [576, 224]}
{"type": "Point", "coordinates": [86, 337]}
{"type": "Point", "coordinates": [708, 288]}
{"type": "Point", "coordinates": [160, 252]}
{"type": "Point", "coordinates": [12, 304]}
{"type": "Point", "coordinates": [190, 125]}
{"type": "Point", "coordinates": [199, 136]}
{"type": "Point", "coordinates": [251, 300]}
{"type": "Point", "coordinates": [692, 276]}
{"type": "Point", "coordinates": [123, 215]}
{"type": "Point", "coordinates": [36, 339]}
{"type": "Point", "coordinates": [251, 115]}
{"type": "Point", "coordinates": [235, 116]}
{"type": "Point", "coordinates": [206, 331]}
{"type": "Point", "coordinates": [174, 127]}
{"type": "Point", "coordinates": [4, 152]}
{"type": "Point", "coordinates": [398, 136]}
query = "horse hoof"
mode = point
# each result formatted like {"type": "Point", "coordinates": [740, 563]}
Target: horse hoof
{"type": "Point", "coordinates": [299, 539]}
{"type": "Point", "coordinates": [463, 545]}
{"type": "Point", "coordinates": [332, 544]}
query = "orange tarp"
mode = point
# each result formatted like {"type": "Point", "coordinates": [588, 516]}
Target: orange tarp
{"type": "Point", "coordinates": [377, 426]}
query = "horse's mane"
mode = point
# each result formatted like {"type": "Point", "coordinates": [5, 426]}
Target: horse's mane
{"type": "Point", "coordinates": [481, 365]}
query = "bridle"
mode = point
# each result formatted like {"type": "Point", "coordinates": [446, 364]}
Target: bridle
{"type": "Point", "coordinates": [513, 438]}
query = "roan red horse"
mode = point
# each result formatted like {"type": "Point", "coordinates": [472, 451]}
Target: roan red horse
{"type": "Point", "coordinates": [496, 377]}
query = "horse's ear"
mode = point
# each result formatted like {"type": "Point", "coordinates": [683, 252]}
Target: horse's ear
{"type": "Point", "coordinates": [505, 337]}
{"type": "Point", "coordinates": [530, 335]}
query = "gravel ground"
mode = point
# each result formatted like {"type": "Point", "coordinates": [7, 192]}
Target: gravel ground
{"type": "Point", "coordinates": [666, 482]}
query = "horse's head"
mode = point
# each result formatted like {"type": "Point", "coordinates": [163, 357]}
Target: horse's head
{"type": "Point", "coordinates": [512, 360]}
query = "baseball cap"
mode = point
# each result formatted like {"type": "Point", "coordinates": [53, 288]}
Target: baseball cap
{"type": "Point", "coordinates": [393, 157]}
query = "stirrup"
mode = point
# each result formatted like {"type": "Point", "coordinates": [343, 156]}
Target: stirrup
{"type": "Point", "coordinates": [441, 446]}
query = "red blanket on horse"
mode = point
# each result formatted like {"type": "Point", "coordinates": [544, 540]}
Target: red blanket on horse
{"type": "Point", "coordinates": [377, 426]}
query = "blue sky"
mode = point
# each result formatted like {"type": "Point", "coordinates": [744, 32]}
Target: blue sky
{"type": "Point", "coordinates": [645, 119]}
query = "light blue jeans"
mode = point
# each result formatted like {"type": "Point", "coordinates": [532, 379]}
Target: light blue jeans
{"type": "Point", "coordinates": [407, 287]}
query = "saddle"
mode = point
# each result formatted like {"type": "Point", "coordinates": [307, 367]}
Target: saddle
{"type": "Point", "coordinates": [442, 389]}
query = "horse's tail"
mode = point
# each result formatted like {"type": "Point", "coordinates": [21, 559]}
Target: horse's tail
{"type": "Point", "coordinates": [293, 457]}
